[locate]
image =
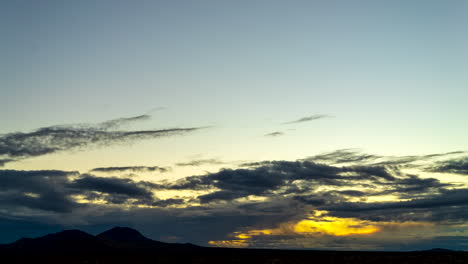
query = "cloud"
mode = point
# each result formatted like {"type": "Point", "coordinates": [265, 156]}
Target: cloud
{"type": "Point", "coordinates": [110, 185]}
{"type": "Point", "coordinates": [168, 202]}
{"type": "Point", "coordinates": [131, 169]}
{"type": "Point", "coordinates": [221, 195]}
{"type": "Point", "coordinates": [343, 156]}
{"type": "Point", "coordinates": [36, 190]}
{"type": "Point", "coordinates": [292, 200]}
{"type": "Point", "coordinates": [274, 134]}
{"type": "Point", "coordinates": [447, 205]}
{"type": "Point", "coordinates": [201, 162]}
{"type": "Point", "coordinates": [57, 191]}
{"type": "Point", "coordinates": [114, 123]}
{"type": "Point", "coordinates": [455, 166]}
{"type": "Point", "coordinates": [300, 179]}
{"type": "Point", "coordinates": [47, 140]}
{"type": "Point", "coordinates": [307, 119]}
{"type": "Point", "coordinates": [5, 161]}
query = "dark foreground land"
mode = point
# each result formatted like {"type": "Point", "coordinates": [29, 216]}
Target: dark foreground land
{"type": "Point", "coordinates": [124, 245]}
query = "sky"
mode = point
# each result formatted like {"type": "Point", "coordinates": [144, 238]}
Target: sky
{"type": "Point", "coordinates": [269, 124]}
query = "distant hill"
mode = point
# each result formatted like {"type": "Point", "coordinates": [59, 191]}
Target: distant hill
{"type": "Point", "coordinates": [126, 245]}
{"type": "Point", "coordinates": [118, 239]}
{"type": "Point", "coordinates": [439, 250]}
{"type": "Point", "coordinates": [69, 241]}
{"type": "Point", "coordinates": [124, 237]}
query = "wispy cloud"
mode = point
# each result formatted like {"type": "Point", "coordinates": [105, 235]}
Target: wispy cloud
{"type": "Point", "coordinates": [123, 121]}
{"type": "Point", "coordinates": [201, 162]}
{"type": "Point", "coordinates": [455, 166]}
{"type": "Point", "coordinates": [307, 119]}
{"type": "Point", "coordinates": [18, 145]}
{"type": "Point", "coordinates": [131, 169]}
{"type": "Point", "coordinates": [355, 156]}
{"type": "Point", "coordinates": [274, 134]}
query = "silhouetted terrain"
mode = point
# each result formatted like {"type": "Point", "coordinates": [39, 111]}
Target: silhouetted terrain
{"type": "Point", "coordinates": [125, 245]}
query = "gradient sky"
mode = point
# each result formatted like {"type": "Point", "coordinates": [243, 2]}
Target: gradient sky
{"type": "Point", "coordinates": [232, 83]}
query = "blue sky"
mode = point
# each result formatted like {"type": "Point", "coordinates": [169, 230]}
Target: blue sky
{"type": "Point", "coordinates": [388, 76]}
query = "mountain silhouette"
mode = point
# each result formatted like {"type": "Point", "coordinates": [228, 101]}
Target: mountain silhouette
{"type": "Point", "coordinates": [128, 238]}
{"type": "Point", "coordinates": [68, 241]}
{"type": "Point", "coordinates": [126, 245]}
{"type": "Point", "coordinates": [123, 234]}
{"type": "Point", "coordinates": [439, 250]}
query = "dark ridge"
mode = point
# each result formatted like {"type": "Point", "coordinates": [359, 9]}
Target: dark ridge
{"type": "Point", "coordinates": [125, 245]}
{"type": "Point", "coordinates": [125, 237]}
{"type": "Point", "coordinates": [68, 241]}
{"type": "Point", "coordinates": [439, 250]}
{"type": "Point", "coordinates": [123, 234]}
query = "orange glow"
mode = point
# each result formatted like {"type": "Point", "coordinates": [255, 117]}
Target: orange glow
{"type": "Point", "coordinates": [335, 226]}
{"type": "Point", "coordinates": [319, 225]}
{"type": "Point", "coordinates": [229, 243]}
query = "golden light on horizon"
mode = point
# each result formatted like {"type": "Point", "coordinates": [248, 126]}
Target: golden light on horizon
{"type": "Point", "coordinates": [335, 226]}
{"type": "Point", "coordinates": [320, 225]}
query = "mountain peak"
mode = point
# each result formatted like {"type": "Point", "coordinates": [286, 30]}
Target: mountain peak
{"type": "Point", "coordinates": [122, 234]}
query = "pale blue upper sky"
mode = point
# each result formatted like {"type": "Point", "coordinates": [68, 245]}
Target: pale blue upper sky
{"type": "Point", "coordinates": [391, 73]}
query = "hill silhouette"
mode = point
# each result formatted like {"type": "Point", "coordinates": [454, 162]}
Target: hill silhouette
{"type": "Point", "coordinates": [124, 237]}
{"type": "Point", "coordinates": [68, 241]}
{"type": "Point", "coordinates": [126, 245]}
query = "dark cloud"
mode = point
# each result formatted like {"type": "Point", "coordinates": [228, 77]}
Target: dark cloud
{"type": "Point", "coordinates": [55, 191]}
{"type": "Point", "coordinates": [5, 161]}
{"type": "Point", "coordinates": [60, 138]}
{"type": "Point", "coordinates": [352, 193]}
{"type": "Point", "coordinates": [131, 169]}
{"type": "Point", "coordinates": [455, 166]}
{"type": "Point", "coordinates": [168, 202]}
{"type": "Point", "coordinates": [201, 162]}
{"type": "Point", "coordinates": [117, 190]}
{"type": "Point", "coordinates": [274, 134]}
{"type": "Point", "coordinates": [307, 118]}
{"type": "Point", "coordinates": [259, 195]}
{"type": "Point", "coordinates": [303, 178]}
{"type": "Point", "coordinates": [448, 205]}
{"type": "Point", "coordinates": [221, 195]}
{"type": "Point", "coordinates": [41, 190]}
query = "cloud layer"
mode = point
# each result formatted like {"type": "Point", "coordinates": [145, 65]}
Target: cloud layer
{"type": "Point", "coordinates": [261, 204]}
